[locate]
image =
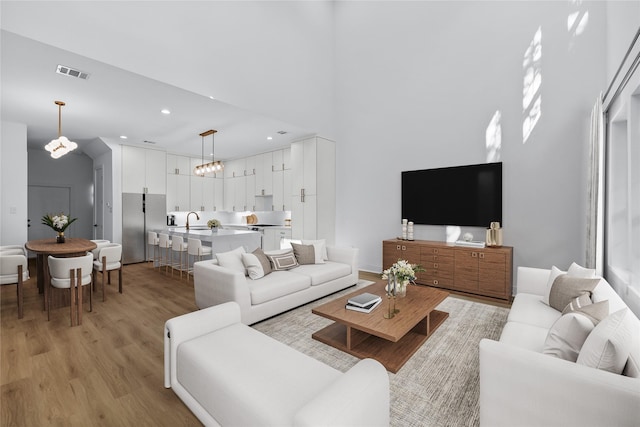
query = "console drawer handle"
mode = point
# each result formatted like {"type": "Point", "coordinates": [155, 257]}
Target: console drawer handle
{"type": "Point", "coordinates": [435, 282]}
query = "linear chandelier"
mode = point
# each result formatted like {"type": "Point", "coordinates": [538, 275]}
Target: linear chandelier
{"type": "Point", "coordinates": [60, 146]}
{"type": "Point", "coordinates": [214, 165]}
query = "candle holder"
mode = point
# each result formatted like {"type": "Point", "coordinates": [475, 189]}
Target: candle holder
{"type": "Point", "coordinates": [392, 287]}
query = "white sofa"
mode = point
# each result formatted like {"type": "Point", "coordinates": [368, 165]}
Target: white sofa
{"type": "Point", "coordinates": [227, 373]}
{"type": "Point", "coordinates": [521, 386]}
{"type": "Point", "coordinates": [278, 291]}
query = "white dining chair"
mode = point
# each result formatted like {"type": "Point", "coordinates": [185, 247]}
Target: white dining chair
{"type": "Point", "coordinates": [109, 259]}
{"type": "Point", "coordinates": [71, 273]}
{"type": "Point", "coordinates": [153, 241]}
{"type": "Point", "coordinates": [14, 270]}
{"type": "Point", "coordinates": [164, 246]}
{"type": "Point", "coordinates": [179, 246]}
{"type": "Point", "coordinates": [196, 250]}
{"type": "Point", "coordinates": [99, 243]}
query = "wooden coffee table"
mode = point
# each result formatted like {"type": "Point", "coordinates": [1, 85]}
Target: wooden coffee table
{"type": "Point", "coordinates": [369, 335]}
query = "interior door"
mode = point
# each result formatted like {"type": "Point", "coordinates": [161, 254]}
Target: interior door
{"type": "Point", "coordinates": [44, 200]}
{"type": "Point", "coordinates": [98, 204]}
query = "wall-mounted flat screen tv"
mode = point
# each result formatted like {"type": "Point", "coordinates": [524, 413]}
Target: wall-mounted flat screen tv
{"type": "Point", "coordinates": [461, 195]}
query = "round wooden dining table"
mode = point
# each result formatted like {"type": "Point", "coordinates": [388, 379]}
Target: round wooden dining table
{"type": "Point", "coordinates": [72, 246]}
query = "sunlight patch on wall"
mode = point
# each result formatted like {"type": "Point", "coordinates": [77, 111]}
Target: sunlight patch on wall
{"type": "Point", "coordinates": [531, 94]}
{"type": "Point", "coordinates": [577, 20]}
{"type": "Point", "coordinates": [493, 138]}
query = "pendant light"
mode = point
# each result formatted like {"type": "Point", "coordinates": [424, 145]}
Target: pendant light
{"type": "Point", "coordinates": [60, 146]}
{"type": "Point", "coordinates": [214, 166]}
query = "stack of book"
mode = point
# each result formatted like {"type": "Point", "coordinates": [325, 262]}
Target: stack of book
{"type": "Point", "coordinates": [365, 302]}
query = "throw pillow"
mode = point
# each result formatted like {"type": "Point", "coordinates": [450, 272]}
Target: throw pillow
{"type": "Point", "coordinates": [582, 304]}
{"type": "Point", "coordinates": [305, 254]}
{"type": "Point", "coordinates": [283, 261]}
{"type": "Point", "coordinates": [320, 247]}
{"type": "Point", "coordinates": [257, 264]}
{"type": "Point", "coordinates": [565, 288]}
{"type": "Point", "coordinates": [576, 270]}
{"type": "Point", "coordinates": [567, 335]}
{"type": "Point", "coordinates": [232, 260]}
{"type": "Point", "coordinates": [608, 346]}
{"type": "Point", "coordinates": [555, 272]}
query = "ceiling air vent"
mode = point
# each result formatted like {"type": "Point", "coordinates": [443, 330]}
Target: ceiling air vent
{"type": "Point", "coordinates": [149, 142]}
{"type": "Point", "coordinates": [282, 132]}
{"type": "Point", "coordinates": [68, 71]}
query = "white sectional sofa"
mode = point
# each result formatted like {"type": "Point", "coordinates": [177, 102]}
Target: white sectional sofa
{"type": "Point", "coordinates": [521, 384]}
{"type": "Point", "coordinates": [229, 374]}
{"type": "Point", "coordinates": [278, 291]}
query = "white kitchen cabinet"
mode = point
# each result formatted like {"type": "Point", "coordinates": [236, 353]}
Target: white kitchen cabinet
{"type": "Point", "coordinates": [235, 191]}
{"type": "Point", "coordinates": [264, 174]}
{"type": "Point", "coordinates": [272, 236]}
{"type": "Point", "coordinates": [282, 189]}
{"type": "Point", "coordinates": [178, 183]}
{"type": "Point", "coordinates": [313, 189]}
{"type": "Point", "coordinates": [178, 165]}
{"type": "Point", "coordinates": [143, 170]}
{"type": "Point", "coordinates": [250, 192]}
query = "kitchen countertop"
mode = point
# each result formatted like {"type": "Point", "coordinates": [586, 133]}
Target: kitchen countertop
{"type": "Point", "coordinates": [220, 240]}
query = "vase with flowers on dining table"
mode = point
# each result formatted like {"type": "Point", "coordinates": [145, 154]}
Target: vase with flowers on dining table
{"type": "Point", "coordinates": [59, 224]}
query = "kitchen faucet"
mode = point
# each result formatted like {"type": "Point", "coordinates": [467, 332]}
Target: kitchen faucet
{"type": "Point", "coordinates": [197, 217]}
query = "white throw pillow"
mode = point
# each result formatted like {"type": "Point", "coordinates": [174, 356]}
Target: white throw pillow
{"type": "Point", "coordinates": [232, 260]}
{"type": "Point", "coordinates": [576, 270]}
{"type": "Point", "coordinates": [567, 335]}
{"type": "Point", "coordinates": [608, 346]}
{"type": "Point", "coordinates": [320, 246]}
{"type": "Point", "coordinates": [257, 264]}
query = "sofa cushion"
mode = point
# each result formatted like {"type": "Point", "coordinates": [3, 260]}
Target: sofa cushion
{"type": "Point", "coordinates": [232, 260]}
{"type": "Point", "coordinates": [576, 270]}
{"type": "Point", "coordinates": [567, 335]}
{"type": "Point", "coordinates": [608, 346]}
{"type": "Point", "coordinates": [284, 261]}
{"type": "Point", "coordinates": [323, 273]}
{"type": "Point", "coordinates": [222, 372]}
{"type": "Point", "coordinates": [529, 309]}
{"type": "Point", "coordinates": [276, 285]}
{"type": "Point", "coordinates": [604, 292]}
{"type": "Point", "coordinates": [305, 254]}
{"type": "Point", "coordinates": [257, 264]}
{"type": "Point", "coordinates": [524, 336]}
{"type": "Point", "coordinates": [565, 288]}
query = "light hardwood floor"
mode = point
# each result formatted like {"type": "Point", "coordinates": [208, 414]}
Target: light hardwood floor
{"type": "Point", "coordinates": [107, 371]}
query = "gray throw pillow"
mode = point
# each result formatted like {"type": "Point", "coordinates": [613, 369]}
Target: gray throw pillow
{"type": "Point", "coordinates": [565, 288]}
{"type": "Point", "coordinates": [305, 254]}
{"type": "Point", "coordinates": [594, 311]}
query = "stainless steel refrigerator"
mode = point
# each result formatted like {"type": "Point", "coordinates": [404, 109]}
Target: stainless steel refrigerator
{"type": "Point", "coordinates": [140, 212]}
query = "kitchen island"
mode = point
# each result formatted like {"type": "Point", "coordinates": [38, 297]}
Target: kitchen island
{"type": "Point", "coordinates": [220, 240]}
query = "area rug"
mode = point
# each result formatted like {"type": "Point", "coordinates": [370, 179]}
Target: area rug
{"type": "Point", "coordinates": [438, 386]}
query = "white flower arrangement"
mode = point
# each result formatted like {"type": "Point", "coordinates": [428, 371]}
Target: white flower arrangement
{"type": "Point", "coordinates": [58, 222]}
{"type": "Point", "coordinates": [404, 272]}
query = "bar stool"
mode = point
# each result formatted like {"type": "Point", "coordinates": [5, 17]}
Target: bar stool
{"type": "Point", "coordinates": [153, 240]}
{"type": "Point", "coordinates": [196, 249]}
{"type": "Point", "coordinates": [178, 245]}
{"type": "Point", "coordinates": [164, 243]}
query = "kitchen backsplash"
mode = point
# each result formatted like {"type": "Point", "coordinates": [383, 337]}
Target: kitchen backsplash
{"type": "Point", "coordinates": [231, 218]}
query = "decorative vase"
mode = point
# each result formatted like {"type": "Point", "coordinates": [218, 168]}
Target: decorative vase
{"type": "Point", "coordinates": [60, 237]}
{"type": "Point", "coordinates": [401, 291]}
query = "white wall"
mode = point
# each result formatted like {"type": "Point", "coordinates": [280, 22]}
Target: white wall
{"type": "Point", "coordinates": [623, 21]}
{"type": "Point", "coordinates": [13, 182]}
{"type": "Point", "coordinates": [417, 84]}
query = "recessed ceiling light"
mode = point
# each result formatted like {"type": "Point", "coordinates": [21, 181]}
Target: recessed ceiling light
{"type": "Point", "coordinates": [211, 97]}
{"type": "Point", "coordinates": [165, 111]}
{"type": "Point", "coordinates": [269, 138]}
{"type": "Point", "coordinates": [123, 136]}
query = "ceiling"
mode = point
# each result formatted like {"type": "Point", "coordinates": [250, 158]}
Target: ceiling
{"type": "Point", "coordinates": [113, 102]}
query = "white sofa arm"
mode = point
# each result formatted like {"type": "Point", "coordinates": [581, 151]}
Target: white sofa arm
{"type": "Point", "coordinates": [360, 397]}
{"type": "Point", "coordinates": [532, 280]}
{"type": "Point", "coordinates": [188, 326]}
{"type": "Point", "coordinates": [524, 388]}
{"type": "Point", "coordinates": [214, 285]}
{"type": "Point", "coordinates": [344, 255]}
